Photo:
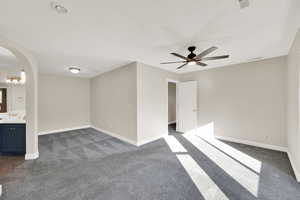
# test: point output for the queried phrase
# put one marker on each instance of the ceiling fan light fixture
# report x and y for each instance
(193, 59)
(192, 63)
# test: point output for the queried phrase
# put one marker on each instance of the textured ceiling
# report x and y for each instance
(9, 65)
(99, 35)
(7, 60)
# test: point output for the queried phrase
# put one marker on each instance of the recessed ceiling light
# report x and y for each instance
(74, 70)
(244, 3)
(58, 8)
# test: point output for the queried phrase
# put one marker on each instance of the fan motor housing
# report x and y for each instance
(191, 49)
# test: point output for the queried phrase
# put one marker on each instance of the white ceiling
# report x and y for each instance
(9, 65)
(7, 59)
(99, 35)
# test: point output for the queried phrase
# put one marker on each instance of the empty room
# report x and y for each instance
(145, 100)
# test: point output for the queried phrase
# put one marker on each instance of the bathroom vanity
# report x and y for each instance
(12, 136)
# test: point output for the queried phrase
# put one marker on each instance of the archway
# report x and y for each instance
(31, 69)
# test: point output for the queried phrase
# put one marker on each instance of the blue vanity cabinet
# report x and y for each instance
(13, 138)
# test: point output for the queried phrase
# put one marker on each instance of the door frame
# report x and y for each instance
(167, 83)
(30, 65)
(179, 118)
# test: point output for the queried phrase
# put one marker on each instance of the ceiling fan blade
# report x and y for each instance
(173, 62)
(206, 52)
(180, 56)
(181, 66)
(215, 57)
(201, 64)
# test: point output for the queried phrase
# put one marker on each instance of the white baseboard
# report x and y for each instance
(172, 122)
(251, 143)
(140, 143)
(63, 130)
(115, 135)
(31, 156)
(136, 143)
(266, 146)
(296, 172)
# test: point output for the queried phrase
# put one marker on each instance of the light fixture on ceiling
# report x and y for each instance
(74, 70)
(192, 63)
(17, 79)
(244, 3)
(58, 8)
(13, 80)
(193, 59)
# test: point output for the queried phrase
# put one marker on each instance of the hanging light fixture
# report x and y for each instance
(13, 80)
(16, 79)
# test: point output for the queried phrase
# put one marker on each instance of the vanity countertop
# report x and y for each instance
(12, 121)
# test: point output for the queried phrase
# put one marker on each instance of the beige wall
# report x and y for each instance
(245, 101)
(293, 134)
(152, 102)
(64, 102)
(114, 102)
(172, 102)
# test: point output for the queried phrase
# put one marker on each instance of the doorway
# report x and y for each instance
(12, 106)
(27, 61)
(172, 108)
(182, 107)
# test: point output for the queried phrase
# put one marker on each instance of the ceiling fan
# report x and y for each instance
(193, 59)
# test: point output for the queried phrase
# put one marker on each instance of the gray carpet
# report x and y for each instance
(87, 165)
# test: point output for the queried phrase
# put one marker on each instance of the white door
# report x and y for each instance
(186, 106)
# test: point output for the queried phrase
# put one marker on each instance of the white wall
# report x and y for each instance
(245, 101)
(114, 102)
(152, 102)
(293, 82)
(16, 98)
(171, 102)
(64, 102)
(131, 102)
